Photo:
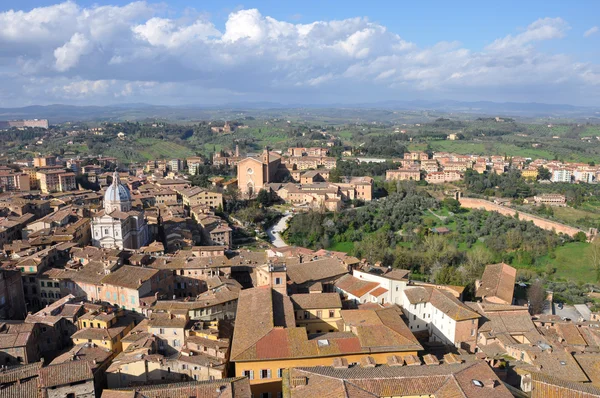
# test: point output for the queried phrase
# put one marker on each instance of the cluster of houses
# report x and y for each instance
(445, 167)
(291, 322)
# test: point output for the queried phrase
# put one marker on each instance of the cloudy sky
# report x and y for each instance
(305, 52)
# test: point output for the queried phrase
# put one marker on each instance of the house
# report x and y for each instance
(302, 275)
(442, 316)
(104, 329)
(317, 312)
(267, 340)
(497, 284)
(68, 379)
(21, 381)
(232, 387)
(403, 174)
(18, 342)
(550, 199)
(474, 379)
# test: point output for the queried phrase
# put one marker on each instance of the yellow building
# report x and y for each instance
(105, 329)
(267, 339)
(530, 174)
(317, 312)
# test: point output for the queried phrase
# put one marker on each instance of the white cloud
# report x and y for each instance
(144, 52)
(68, 55)
(591, 31)
(542, 29)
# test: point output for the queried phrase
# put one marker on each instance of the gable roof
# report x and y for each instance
(442, 381)
(498, 280)
(354, 286)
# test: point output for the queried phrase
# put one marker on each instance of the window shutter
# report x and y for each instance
(269, 373)
(251, 375)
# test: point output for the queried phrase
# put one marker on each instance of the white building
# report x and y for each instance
(561, 175)
(393, 281)
(441, 315)
(118, 226)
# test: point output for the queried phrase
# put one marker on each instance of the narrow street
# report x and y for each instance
(275, 231)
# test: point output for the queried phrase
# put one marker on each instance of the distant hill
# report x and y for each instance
(376, 111)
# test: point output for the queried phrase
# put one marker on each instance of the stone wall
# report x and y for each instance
(471, 203)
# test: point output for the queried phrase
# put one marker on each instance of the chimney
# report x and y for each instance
(490, 383)
(298, 381)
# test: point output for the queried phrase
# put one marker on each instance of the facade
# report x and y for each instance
(254, 173)
(118, 226)
(11, 181)
(550, 199)
(12, 299)
(561, 175)
(440, 177)
(442, 316)
(403, 174)
(56, 181)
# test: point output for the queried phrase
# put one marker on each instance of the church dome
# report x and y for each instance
(117, 195)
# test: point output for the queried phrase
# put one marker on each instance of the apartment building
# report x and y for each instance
(441, 315)
(56, 181)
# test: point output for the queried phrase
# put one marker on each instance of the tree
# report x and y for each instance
(580, 236)
(536, 294)
(264, 197)
(452, 205)
(543, 173)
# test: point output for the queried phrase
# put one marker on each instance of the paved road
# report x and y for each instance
(275, 231)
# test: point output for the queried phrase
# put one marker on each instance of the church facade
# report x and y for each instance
(254, 173)
(118, 226)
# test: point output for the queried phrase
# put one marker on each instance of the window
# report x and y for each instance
(265, 374)
(249, 374)
(42, 283)
(280, 373)
(319, 314)
(105, 231)
(85, 324)
(331, 313)
(108, 295)
(306, 315)
(414, 317)
(132, 298)
(176, 343)
(278, 281)
(56, 284)
(473, 332)
(161, 331)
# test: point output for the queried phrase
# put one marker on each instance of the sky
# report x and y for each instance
(178, 52)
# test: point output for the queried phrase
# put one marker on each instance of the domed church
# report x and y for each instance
(117, 226)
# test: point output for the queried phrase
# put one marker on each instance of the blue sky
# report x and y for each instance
(206, 52)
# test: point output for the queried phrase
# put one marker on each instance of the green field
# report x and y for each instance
(159, 149)
(345, 247)
(572, 263)
(569, 215)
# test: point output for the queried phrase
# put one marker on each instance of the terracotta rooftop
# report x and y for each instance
(442, 381)
(354, 286)
(316, 300)
(498, 281)
(65, 373)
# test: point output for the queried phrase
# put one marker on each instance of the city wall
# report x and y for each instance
(471, 203)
